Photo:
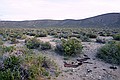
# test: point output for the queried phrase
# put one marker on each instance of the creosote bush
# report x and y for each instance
(41, 35)
(14, 41)
(45, 46)
(110, 52)
(32, 43)
(8, 49)
(30, 34)
(116, 37)
(11, 70)
(85, 38)
(70, 47)
(92, 35)
(26, 67)
(1, 42)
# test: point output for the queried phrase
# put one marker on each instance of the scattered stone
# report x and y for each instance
(85, 55)
(84, 59)
(73, 69)
(83, 78)
(88, 70)
(86, 75)
(71, 73)
(73, 78)
(72, 62)
(88, 62)
(113, 67)
(72, 65)
(93, 58)
(104, 69)
(99, 77)
(94, 67)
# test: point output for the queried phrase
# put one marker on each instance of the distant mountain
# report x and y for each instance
(105, 20)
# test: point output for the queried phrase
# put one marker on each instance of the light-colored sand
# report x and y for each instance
(99, 69)
(48, 39)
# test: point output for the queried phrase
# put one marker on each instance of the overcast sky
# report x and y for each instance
(55, 9)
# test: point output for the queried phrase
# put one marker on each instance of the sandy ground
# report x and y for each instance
(50, 39)
(98, 70)
(20, 44)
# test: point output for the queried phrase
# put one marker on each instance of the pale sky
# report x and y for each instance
(55, 9)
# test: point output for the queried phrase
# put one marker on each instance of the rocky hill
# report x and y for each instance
(105, 20)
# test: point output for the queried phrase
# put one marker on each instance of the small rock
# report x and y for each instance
(93, 58)
(86, 75)
(84, 79)
(94, 67)
(99, 77)
(71, 73)
(88, 70)
(73, 69)
(85, 55)
(104, 69)
(113, 67)
(72, 63)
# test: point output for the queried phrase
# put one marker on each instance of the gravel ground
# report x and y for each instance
(98, 70)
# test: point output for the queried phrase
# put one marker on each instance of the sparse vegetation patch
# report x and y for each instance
(110, 52)
(70, 47)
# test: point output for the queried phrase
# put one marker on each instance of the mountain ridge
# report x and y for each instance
(104, 20)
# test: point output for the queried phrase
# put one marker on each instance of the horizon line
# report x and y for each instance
(60, 19)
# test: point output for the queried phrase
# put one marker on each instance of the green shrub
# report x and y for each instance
(8, 49)
(102, 34)
(116, 37)
(63, 35)
(91, 35)
(45, 46)
(23, 37)
(52, 33)
(27, 67)
(11, 70)
(38, 65)
(10, 75)
(35, 43)
(24, 50)
(75, 35)
(32, 43)
(13, 35)
(11, 62)
(85, 38)
(1, 42)
(110, 53)
(41, 35)
(30, 34)
(70, 47)
(14, 41)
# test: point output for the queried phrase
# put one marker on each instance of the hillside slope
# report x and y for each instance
(105, 20)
